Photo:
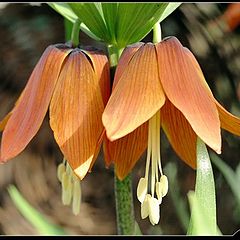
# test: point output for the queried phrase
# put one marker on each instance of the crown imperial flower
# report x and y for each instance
(75, 85)
(160, 85)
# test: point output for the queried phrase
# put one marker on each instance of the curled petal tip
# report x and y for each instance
(83, 169)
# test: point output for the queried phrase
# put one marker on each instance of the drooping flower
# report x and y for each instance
(160, 85)
(74, 84)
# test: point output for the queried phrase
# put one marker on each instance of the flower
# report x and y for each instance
(160, 85)
(75, 85)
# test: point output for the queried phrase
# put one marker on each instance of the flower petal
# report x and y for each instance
(126, 56)
(102, 69)
(185, 86)
(75, 112)
(126, 151)
(29, 112)
(4, 121)
(137, 96)
(179, 133)
(228, 121)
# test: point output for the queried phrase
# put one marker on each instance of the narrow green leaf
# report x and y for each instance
(65, 10)
(205, 194)
(230, 176)
(33, 216)
(199, 217)
(135, 21)
(168, 10)
(89, 14)
(110, 12)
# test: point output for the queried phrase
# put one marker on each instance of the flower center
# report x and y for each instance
(71, 189)
(158, 181)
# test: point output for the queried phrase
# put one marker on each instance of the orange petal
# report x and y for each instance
(136, 97)
(102, 69)
(97, 150)
(75, 112)
(4, 121)
(126, 151)
(179, 133)
(185, 86)
(28, 114)
(229, 122)
(126, 56)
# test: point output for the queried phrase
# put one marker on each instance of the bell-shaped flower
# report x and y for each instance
(75, 85)
(160, 85)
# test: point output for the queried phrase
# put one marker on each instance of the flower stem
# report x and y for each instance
(124, 206)
(157, 33)
(123, 189)
(75, 33)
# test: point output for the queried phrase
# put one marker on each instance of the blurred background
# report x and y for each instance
(212, 32)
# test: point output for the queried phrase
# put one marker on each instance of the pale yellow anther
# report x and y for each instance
(159, 192)
(142, 189)
(145, 207)
(71, 189)
(154, 210)
(164, 183)
(66, 189)
(76, 197)
(60, 170)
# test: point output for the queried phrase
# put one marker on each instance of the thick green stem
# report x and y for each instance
(75, 33)
(123, 189)
(114, 54)
(124, 206)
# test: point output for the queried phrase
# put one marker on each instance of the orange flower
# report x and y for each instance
(160, 85)
(75, 83)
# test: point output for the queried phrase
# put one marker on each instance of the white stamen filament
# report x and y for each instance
(159, 184)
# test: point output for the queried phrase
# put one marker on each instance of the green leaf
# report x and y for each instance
(231, 177)
(168, 10)
(204, 208)
(65, 10)
(89, 14)
(118, 24)
(33, 216)
(135, 21)
(199, 217)
(110, 11)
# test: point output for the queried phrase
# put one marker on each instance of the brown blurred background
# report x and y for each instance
(25, 32)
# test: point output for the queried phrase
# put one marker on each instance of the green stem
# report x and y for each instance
(157, 33)
(75, 33)
(124, 206)
(114, 55)
(123, 189)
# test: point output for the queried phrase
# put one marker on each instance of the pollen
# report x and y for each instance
(71, 187)
(151, 189)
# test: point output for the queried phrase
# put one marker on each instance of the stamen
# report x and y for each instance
(71, 189)
(159, 183)
(76, 197)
